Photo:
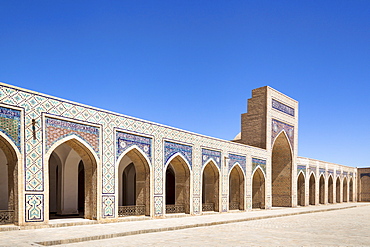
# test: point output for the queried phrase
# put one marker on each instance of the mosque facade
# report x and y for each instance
(60, 159)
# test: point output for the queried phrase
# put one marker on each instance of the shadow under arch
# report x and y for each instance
(330, 189)
(89, 167)
(312, 189)
(351, 199)
(9, 170)
(345, 188)
(177, 182)
(322, 189)
(210, 186)
(258, 188)
(281, 171)
(133, 171)
(337, 187)
(236, 188)
(301, 195)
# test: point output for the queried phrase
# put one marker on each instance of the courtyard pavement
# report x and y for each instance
(346, 224)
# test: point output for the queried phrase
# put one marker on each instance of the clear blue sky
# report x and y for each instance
(193, 64)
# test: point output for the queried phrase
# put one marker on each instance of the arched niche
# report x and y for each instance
(133, 183)
(177, 185)
(258, 189)
(72, 176)
(9, 158)
(281, 172)
(210, 187)
(236, 188)
(301, 195)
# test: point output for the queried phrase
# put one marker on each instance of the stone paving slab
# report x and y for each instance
(81, 233)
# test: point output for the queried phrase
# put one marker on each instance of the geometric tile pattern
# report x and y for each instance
(278, 126)
(339, 173)
(282, 107)
(126, 140)
(330, 171)
(158, 205)
(241, 160)
(322, 171)
(211, 154)
(34, 207)
(10, 124)
(258, 163)
(345, 173)
(108, 206)
(312, 169)
(170, 149)
(301, 168)
(57, 129)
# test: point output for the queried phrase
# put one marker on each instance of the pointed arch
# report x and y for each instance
(330, 189)
(345, 190)
(282, 157)
(177, 180)
(312, 189)
(351, 190)
(338, 192)
(10, 159)
(84, 152)
(210, 186)
(258, 188)
(301, 195)
(236, 187)
(133, 170)
(322, 189)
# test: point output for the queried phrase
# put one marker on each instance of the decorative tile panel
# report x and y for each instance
(258, 163)
(108, 206)
(126, 140)
(242, 160)
(10, 124)
(322, 171)
(57, 129)
(313, 169)
(170, 149)
(331, 171)
(345, 173)
(278, 126)
(365, 175)
(301, 168)
(211, 154)
(34, 207)
(196, 205)
(351, 174)
(339, 173)
(282, 107)
(158, 205)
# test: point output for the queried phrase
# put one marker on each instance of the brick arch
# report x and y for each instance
(301, 195)
(13, 159)
(142, 177)
(338, 189)
(351, 199)
(281, 171)
(236, 188)
(182, 175)
(322, 189)
(330, 189)
(90, 164)
(345, 190)
(210, 186)
(258, 189)
(312, 189)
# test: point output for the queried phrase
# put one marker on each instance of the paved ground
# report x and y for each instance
(304, 226)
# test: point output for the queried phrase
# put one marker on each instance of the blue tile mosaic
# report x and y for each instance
(10, 124)
(365, 175)
(322, 171)
(313, 169)
(301, 168)
(282, 107)
(171, 148)
(125, 140)
(211, 154)
(242, 160)
(34, 207)
(258, 163)
(278, 126)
